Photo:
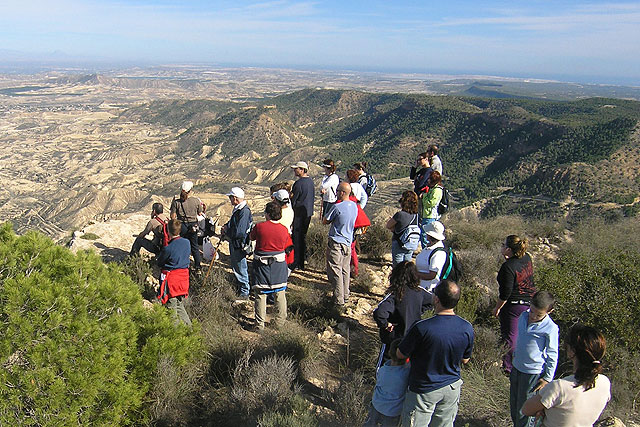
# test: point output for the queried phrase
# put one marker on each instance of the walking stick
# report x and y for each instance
(213, 258)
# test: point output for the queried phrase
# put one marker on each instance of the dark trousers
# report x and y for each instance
(509, 315)
(188, 233)
(299, 237)
(141, 242)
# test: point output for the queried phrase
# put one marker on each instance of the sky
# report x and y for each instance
(597, 42)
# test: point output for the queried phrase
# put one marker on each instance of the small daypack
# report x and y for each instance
(371, 186)
(451, 269)
(443, 206)
(165, 231)
(409, 239)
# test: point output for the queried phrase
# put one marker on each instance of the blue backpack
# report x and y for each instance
(371, 186)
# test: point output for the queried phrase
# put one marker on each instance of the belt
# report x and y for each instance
(519, 302)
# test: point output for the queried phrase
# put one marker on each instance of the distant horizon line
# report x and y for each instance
(110, 65)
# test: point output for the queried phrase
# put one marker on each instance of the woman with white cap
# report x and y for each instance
(281, 193)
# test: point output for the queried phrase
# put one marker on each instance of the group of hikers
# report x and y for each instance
(419, 371)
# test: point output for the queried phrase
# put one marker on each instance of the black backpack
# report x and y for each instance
(443, 206)
(451, 269)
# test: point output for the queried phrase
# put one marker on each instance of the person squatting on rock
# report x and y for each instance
(236, 231)
(155, 225)
(576, 400)
(269, 266)
(516, 287)
(535, 356)
(329, 185)
(430, 201)
(398, 223)
(392, 379)
(431, 260)
(174, 277)
(281, 193)
(302, 200)
(342, 217)
(403, 305)
(437, 347)
(186, 208)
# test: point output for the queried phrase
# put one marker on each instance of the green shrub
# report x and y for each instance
(138, 269)
(467, 307)
(90, 236)
(376, 242)
(77, 345)
(317, 240)
(300, 345)
(262, 384)
(351, 399)
(295, 414)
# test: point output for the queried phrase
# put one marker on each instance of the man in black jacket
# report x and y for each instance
(302, 201)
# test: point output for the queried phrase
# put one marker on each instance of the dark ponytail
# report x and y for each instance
(589, 347)
(517, 245)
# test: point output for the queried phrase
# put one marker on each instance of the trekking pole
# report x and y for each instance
(213, 258)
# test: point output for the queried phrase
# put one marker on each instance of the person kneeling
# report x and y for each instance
(174, 278)
(269, 265)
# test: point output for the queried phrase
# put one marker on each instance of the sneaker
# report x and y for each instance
(242, 298)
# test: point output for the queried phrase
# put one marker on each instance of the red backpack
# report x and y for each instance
(165, 231)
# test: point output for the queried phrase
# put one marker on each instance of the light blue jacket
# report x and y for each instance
(536, 349)
(391, 387)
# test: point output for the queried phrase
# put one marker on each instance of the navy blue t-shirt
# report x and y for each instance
(436, 347)
(175, 255)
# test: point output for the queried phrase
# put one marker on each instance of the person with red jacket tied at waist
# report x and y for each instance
(174, 278)
(270, 271)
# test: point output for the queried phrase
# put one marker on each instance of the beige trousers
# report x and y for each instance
(339, 270)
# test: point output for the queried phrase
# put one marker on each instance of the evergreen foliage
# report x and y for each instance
(77, 348)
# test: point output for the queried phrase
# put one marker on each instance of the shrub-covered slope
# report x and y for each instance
(585, 149)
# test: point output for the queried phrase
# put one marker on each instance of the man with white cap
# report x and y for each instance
(186, 208)
(302, 201)
(236, 231)
(431, 260)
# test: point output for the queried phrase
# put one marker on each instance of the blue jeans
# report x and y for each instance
(398, 254)
(423, 236)
(240, 269)
(520, 386)
(437, 408)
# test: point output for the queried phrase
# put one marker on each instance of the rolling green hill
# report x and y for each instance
(584, 150)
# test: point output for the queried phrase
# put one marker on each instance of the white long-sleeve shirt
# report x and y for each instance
(330, 185)
(360, 194)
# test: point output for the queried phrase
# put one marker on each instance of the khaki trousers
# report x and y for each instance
(261, 308)
(339, 270)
